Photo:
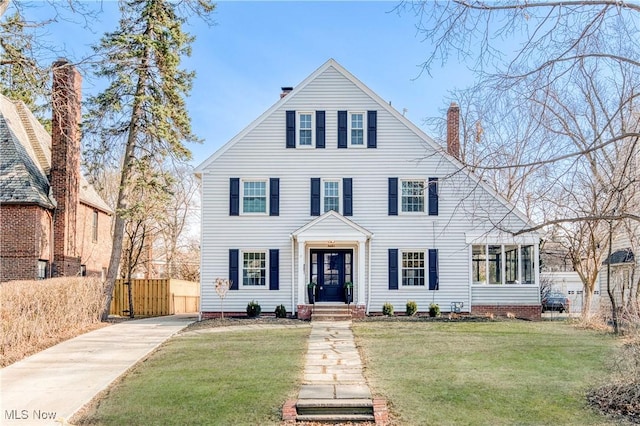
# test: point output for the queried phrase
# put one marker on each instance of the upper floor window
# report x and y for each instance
(413, 196)
(94, 227)
(331, 195)
(254, 196)
(254, 268)
(413, 268)
(305, 129)
(356, 128)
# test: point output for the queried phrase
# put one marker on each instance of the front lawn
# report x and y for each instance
(489, 373)
(226, 378)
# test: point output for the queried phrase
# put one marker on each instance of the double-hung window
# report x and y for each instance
(305, 129)
(254, 268)
(331, 195)
(413, 196)
(356, 128)
(502, 264)
(413, 268)
(254, 196)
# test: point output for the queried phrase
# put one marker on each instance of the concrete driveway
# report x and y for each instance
(59, 381)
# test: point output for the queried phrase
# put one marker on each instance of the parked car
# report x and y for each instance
(555, 301)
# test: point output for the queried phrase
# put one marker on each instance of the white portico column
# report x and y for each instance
(301, 272)
(359, 300)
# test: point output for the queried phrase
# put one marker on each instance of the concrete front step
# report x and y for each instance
(333, 419)
(328, 410)
(331, 312)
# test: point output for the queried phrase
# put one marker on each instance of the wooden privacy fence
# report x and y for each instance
(156, 297)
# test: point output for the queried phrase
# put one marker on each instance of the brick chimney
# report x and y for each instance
(453, 130)
(285, 91)
(65, 166)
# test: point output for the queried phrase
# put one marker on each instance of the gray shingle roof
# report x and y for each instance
(25, 160)
(620, 256)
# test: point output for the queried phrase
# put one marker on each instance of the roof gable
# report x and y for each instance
(333, 224)
(333, 66)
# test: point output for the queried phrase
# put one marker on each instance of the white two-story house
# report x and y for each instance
(331, 185)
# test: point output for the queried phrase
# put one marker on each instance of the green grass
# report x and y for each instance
(432, 373)
(228, 378)
(494, 373)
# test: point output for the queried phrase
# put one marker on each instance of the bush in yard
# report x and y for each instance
(412, 308)
(387, 309)
(434, 310)
(281, 311)
(253, 309)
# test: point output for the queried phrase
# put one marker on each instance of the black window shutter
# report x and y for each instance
(434, 282)
(393, 196)
(372, 126)
(393, 269)
(234, 196)
(234, 261)
(342, 129)
(274, 269)
(315, 196)
(274, 197)
(347, 197)
(291, 129)
(320, 134)
(433, 196)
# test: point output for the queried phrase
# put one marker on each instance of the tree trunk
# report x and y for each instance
(127, 166)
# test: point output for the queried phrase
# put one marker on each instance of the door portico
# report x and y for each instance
(326, 239)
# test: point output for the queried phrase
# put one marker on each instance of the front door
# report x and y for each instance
(330, 269)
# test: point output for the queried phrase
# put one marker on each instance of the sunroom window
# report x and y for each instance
(502, 264)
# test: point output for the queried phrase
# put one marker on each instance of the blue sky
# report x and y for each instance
(257, 47)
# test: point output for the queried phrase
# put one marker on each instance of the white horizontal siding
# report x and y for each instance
(464, 206)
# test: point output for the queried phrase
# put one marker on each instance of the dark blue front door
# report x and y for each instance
(330, 269)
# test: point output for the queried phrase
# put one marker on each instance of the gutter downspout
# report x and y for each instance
(369, 277)
(293, 274)
(200, 177)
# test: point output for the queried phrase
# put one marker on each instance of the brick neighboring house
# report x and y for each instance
(52, 222)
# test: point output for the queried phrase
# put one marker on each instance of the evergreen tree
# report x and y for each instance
(142, 113)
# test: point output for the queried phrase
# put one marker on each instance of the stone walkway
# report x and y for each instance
(333, 367)
(333, 381)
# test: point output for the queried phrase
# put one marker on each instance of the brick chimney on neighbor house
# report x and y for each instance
(65, 166)
(453, 130)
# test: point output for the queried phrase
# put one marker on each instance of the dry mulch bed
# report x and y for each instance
(619, 400)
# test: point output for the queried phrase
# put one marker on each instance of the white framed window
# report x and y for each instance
(500, 264)
(413, 268)
(254, 196)
(331, 195)
(306, 135)
(357, 129)
(413, 195)
(254, 268)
